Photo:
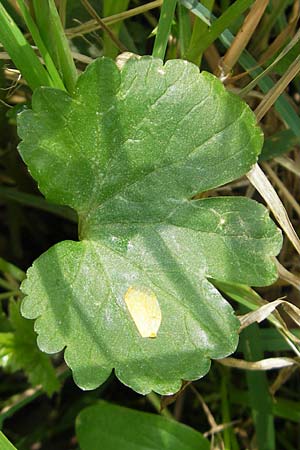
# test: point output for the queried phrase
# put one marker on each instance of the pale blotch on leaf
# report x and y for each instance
(144, 310)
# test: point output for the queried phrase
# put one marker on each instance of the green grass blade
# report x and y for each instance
(264, 32)
(13, 270)
(219, 25)
(5, 444)
(185, 33)
(200, 30)
(164, 28)
(56, 79)
(229, 437)
(37, 202)
(282, 105)
(273, 341)
(259, 396)
(281, 407)
(52, 33)
(263, 73)
(198, 10)
(110, 9)
(21, 52)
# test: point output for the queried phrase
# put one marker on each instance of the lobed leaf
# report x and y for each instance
(129, 151)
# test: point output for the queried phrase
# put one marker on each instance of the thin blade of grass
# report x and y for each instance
(230, 440)
(34, 201)
(283, 107)
(13, 270)
(286, 49)
(277, 89)
(92, 25)
(114, 39)
(258, 390)
(243, 37)
(281, 407)
(200, 29)
(164, 28)
(285, 110)
(5, 444)
(264, 31)
(34, 31)
(52, 33)
(247, 297)
(184, 28)
(62, 10)
(108, 9)
(21, 52)
(198, 9)
(218, 25)
(272, 341)
(284, 192)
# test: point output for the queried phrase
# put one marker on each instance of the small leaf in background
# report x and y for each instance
(129, 152)
(114, 427)
(18, 350)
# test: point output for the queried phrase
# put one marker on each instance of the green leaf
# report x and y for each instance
(129, 152)
(18, 350)
(5, 444)
(117, 427)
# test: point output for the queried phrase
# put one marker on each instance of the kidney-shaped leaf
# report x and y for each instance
(129, 151)
(112, 427)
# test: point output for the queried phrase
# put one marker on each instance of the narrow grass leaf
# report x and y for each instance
(285, 110)
(244, 35)
(164, 28)
(280, 407)
(53, 35)
(56, 80)
(273, 94)
(109, 9)
(200, 30)
(13, 270)
(5, 444)
(184, 28)
(258, 392)
(220, 24)
(92, 25)
(21, 52)
(37, 202)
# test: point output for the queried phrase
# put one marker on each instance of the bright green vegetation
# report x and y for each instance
(146, 222)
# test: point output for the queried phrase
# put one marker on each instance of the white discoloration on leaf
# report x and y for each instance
(145, 311)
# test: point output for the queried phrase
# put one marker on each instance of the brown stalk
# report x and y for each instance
(277, 89)
(243, 37)
(280, 40)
